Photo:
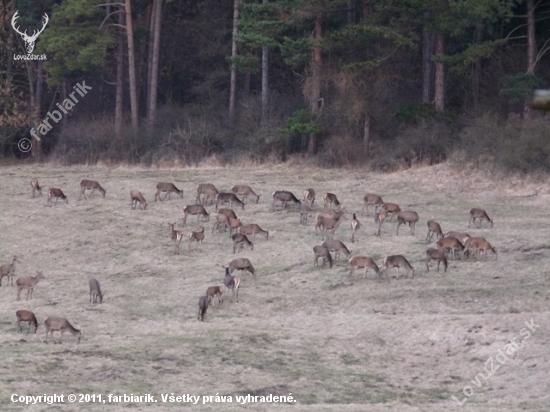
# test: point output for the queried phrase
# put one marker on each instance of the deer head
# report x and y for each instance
(29, 40)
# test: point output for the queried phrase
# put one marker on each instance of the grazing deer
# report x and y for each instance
(167, 188)
(58, 194)
(230, 198)
(362, 262)
(95, 291)
(26, 316)
(337, 247)
(433, 229)
(176, 236)
(221, 222)
(331, 200)
(208, 190)
(245, 191)
(329, 224)
(305, 208)
(396, 261)
(28, 282)
(480, 244)
(480, 214)
(241, 240)
(461, 236)
(90, 185)
(379, 218)
(332, 215)
(409, 217)
(309, 196)
(372, 199)
(390, 209)
(8, 270)
(232, 283)
(435, 254)
(227, 212)
(196, 237)
(214, 291)
(35, 188)
(452, 244)
(284, 197)
(355, 226)
(61, 325)
(203, 306)
(252, 229)
(242, 264)
(322, 252)
(137, 197)
(197, 210)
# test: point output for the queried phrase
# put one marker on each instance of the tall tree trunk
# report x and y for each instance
(477, 67)
(119, 79)
(9, 69)
(439, 75)
(36, 147)
(265, 82)
(131, 67)
(143, 72)
(233, 90)
(247, 82)
(315, 99)
(427, 64)
(152, 21)
(152, 113)
(366, 133)
(531, 51)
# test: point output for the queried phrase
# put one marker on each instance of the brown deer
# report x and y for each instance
(331, 200)
(322, 252)
(137, 197)
(203, 306)
(26, 316)
(396, 261)
(95, 291)
(253, 229)
(90, 185)
(309, 196)
(27, 282)
(355, 226)
(409, 217)
(452, 244)
(362, 262)
(305, 208)
(480, 244)
(390, 209)
(208, 190)
(438, 255)
(221, 222)
(61, 325)
(284, 197)
(461, 236)
(337, 247)
(331, 215)
(241, 240)
(245, 191)
(214, 291)
(372, 199)
(480, 214)
(379, 218)
(176, 236)
(433, 229)
(241, 264)
(232, 283)
(197, 210)
(58, 194)
(35, 188)
(230, 198)
(227, 212)
(168, 189)
(197, 236)
(329, 225)
(8, 270)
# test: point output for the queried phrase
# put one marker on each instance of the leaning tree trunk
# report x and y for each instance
(531, 50)
(152, 110)
(315, 96)
(233, 86)
(119, 80)
(439, 76)
(131, 67)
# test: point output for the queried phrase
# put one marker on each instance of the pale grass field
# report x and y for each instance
(336, 344)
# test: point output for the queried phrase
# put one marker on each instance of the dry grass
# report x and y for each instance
(336, 344)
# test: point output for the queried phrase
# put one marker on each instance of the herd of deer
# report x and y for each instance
(327, 222)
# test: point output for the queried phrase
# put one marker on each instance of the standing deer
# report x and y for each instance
(253, 229)
(330, 215)
(337, 247)
(245, 191)
(90, 185)
(355, 226)
(379, 218)
(167, 188)
(241, 264)
(176, 236)
(331, 200)
(372, 199)
(480, 214)
(35, 187)
(28, 282)
(26, 316)
(409, 217)
(208, 190)
(461, 236)
(305, 208)
(396, 261)
(227, 212)
(241, 240)
(309, 196)
(8, 270)
(197, 236)
(214, 291)
(433, 229)
(197, 210)
(390, 209)
(230, 198)
(452, 244)
(95, 291)
(61, 325)
(232, 283)
(362, 262)
(329, 224)
(438, 255)
(284, 197)
(137, 197)
(203, 306)
(322, 252)
(234, 225)
(58, 194)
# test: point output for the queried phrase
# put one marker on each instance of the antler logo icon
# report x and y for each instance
(29, 40)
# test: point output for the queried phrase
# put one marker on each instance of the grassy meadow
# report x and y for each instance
(335, 343)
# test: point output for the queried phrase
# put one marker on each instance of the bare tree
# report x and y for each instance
(119, 79)
(157, 18)
(439, 75)
(315, 92)
(531, 50)
(131, 66)
(233, 90)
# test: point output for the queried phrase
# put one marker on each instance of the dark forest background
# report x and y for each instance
(388, 83)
